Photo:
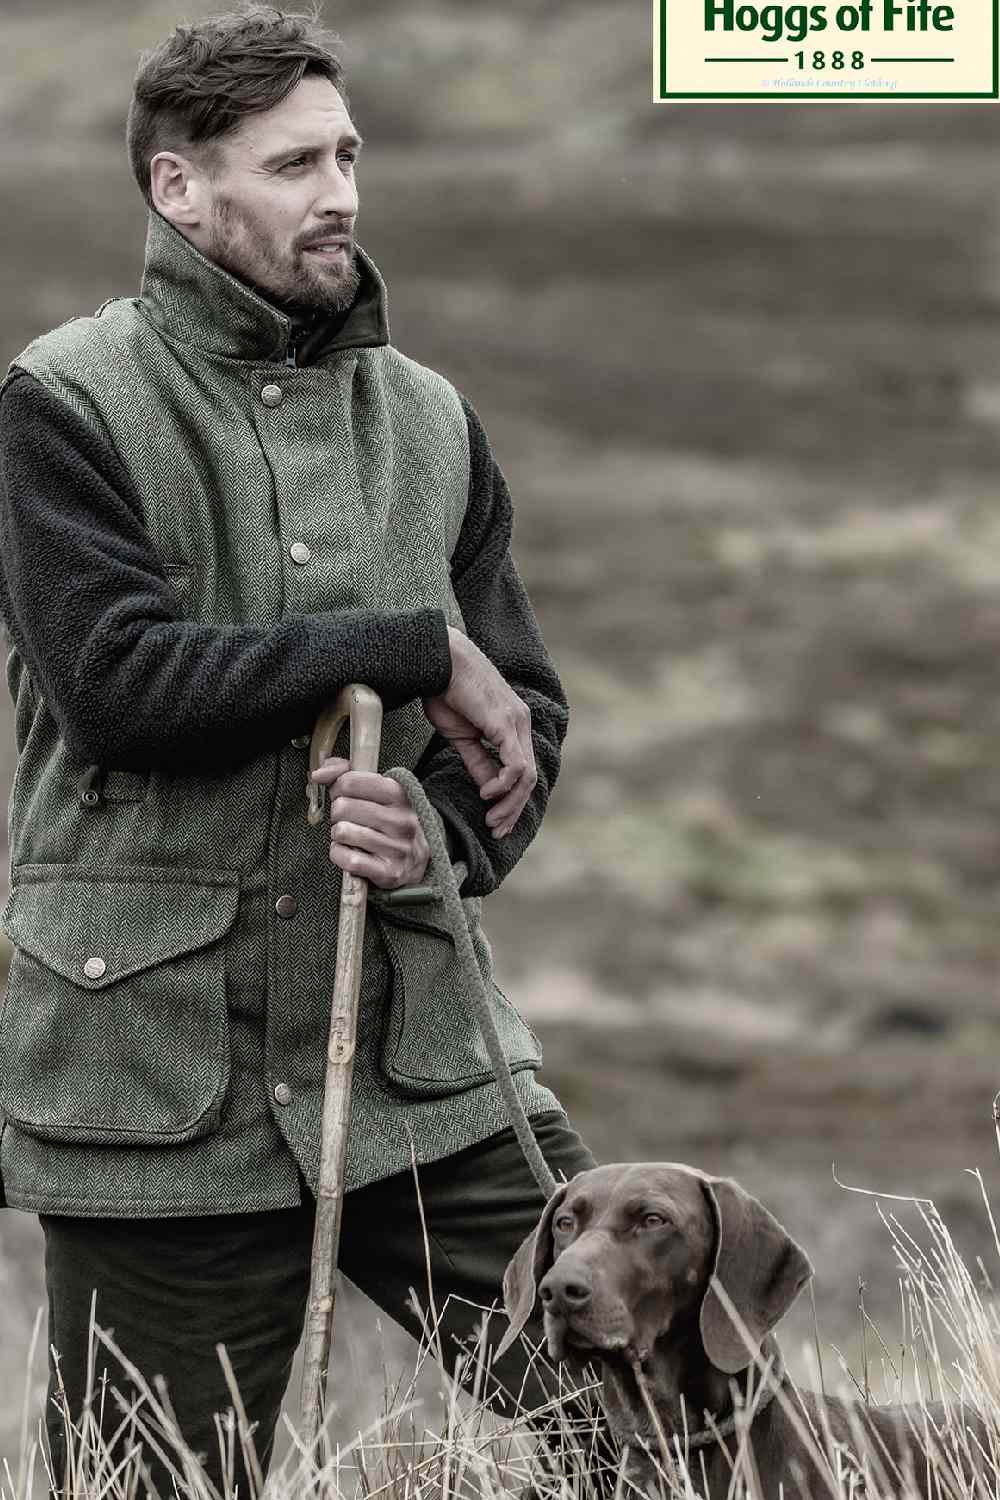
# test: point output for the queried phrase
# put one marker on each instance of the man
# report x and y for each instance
(220, 502)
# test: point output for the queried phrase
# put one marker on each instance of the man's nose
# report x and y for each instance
(567, 1288)
(338, 195)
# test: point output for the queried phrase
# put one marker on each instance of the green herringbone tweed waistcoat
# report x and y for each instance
(158, 1008)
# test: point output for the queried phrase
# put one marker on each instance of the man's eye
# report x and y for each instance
(296, 161)
(348, 157)
(564, 1223)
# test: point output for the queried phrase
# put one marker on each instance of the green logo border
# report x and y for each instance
(661, 96)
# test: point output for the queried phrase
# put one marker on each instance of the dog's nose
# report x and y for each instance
(566, 1290)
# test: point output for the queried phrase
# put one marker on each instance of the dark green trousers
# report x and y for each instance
(172, 1289)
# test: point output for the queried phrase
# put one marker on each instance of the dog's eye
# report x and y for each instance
(564, 1223)
(652, 1221)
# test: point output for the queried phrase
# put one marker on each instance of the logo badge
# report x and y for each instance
(825, 49)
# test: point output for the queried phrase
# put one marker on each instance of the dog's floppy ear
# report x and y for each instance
(761, 1268)
(525, 1271)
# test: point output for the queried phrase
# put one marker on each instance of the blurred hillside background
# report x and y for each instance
(741, 365)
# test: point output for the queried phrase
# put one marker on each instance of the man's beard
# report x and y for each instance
(292, 279)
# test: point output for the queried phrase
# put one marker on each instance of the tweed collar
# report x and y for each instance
(189, 298)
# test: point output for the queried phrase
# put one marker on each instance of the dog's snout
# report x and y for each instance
(566, 1289)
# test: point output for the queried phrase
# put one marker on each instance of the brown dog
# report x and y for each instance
(625, 1261)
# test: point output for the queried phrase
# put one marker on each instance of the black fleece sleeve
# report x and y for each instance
(131, 682)
(499, 618)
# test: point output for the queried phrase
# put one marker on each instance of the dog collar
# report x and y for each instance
(775, 1377)
(724, 1427)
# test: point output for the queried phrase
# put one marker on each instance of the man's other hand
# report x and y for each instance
(479, 705)
(374, 832)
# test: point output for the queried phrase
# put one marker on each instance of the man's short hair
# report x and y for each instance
(197, 86)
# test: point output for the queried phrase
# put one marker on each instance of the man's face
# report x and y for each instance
(282, 202)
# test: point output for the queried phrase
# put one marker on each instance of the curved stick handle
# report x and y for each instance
(364, 709)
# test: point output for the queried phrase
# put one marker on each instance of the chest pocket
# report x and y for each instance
(114, 1027)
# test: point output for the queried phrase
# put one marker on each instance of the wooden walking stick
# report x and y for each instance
(364, 710)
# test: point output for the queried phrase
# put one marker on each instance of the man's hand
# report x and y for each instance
(479, 705)
(374, 832)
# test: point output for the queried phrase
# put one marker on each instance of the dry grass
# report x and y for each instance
(946, 1350)
(468, 1451)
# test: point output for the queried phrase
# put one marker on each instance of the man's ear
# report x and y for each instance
(179, 189)
(525, 1271)
(760, 1267)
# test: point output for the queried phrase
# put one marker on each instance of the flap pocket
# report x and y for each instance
(433, 1043)
(143, 1058)
(128, 918)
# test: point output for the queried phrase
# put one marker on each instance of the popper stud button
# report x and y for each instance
(94, 968)
(282, 1093)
